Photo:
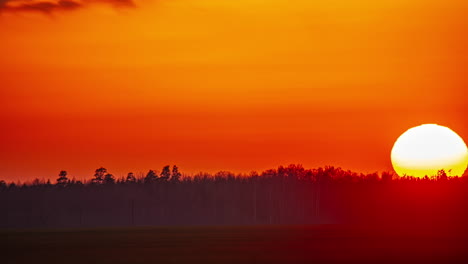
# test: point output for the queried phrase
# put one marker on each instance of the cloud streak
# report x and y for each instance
(51, 6)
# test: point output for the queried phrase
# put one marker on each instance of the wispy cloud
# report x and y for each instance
(50, 6)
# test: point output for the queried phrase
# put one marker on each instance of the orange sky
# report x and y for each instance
(225, 85)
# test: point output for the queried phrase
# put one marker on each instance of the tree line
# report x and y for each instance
(102, 176)
(284, 195)
(328, 173)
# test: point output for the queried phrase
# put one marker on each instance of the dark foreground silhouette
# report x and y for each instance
(285, 196)
(254, 244)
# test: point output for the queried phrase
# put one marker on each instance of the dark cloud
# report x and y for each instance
(50, 6)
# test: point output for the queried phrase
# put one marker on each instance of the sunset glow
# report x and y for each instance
(223, 85)
(233, 131)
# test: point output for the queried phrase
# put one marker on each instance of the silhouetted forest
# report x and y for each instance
(286, 195)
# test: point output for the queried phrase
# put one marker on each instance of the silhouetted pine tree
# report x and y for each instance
(3, 184)
(175, 174)
(130, 178)
(109, 178)
(151, 176)
(99, 175)
(165, 173)
(62, 180)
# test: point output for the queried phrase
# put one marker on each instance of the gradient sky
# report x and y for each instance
(223, 85)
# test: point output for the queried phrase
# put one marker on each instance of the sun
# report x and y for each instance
(428, 148)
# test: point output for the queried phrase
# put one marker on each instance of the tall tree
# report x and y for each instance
(99, 175)
(130, 178)
(175, 174)
(62, 180)
(3, 184)
(165, 173)
(151, 176)
(109, 178)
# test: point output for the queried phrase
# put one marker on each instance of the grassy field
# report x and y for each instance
(259, 244)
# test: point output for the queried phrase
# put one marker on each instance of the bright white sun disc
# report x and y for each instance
(426, 149)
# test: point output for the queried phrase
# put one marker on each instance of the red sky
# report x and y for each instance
(224, 85)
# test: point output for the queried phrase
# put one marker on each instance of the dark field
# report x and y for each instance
(261, 244)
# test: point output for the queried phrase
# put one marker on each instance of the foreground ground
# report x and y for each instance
(261, 244)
